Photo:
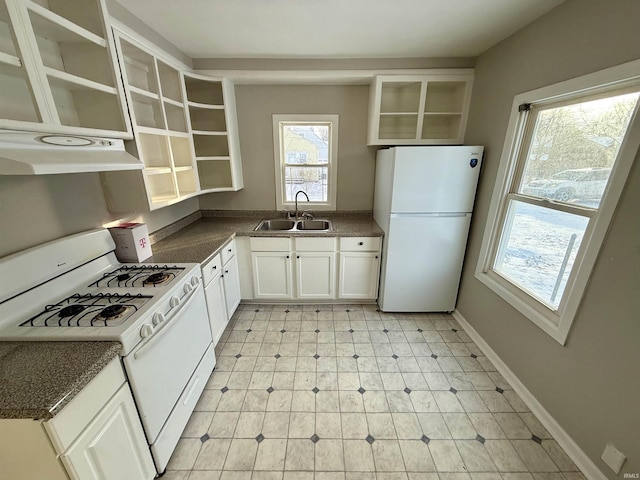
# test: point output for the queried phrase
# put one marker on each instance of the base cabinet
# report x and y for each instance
(214, 294)
(230, 278)
(97, 436)
(315, 268)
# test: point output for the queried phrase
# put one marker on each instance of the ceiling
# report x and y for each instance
(336, 28)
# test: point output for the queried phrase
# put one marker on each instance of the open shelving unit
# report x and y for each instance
(216, 147)
(155, 96)
(419, 109)
(60, 74)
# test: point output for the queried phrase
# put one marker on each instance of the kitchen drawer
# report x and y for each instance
(211, 269)
(270, 244)
(228, 252)
(65, 427)
(315, 244)
(360, 244)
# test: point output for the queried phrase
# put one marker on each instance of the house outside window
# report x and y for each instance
(568, 151)
(305, 154)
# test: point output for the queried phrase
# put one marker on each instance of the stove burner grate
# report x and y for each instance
(88, 310)
(131, 276)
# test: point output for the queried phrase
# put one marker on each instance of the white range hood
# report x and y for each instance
(29, 153)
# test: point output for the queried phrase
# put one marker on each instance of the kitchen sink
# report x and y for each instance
(281, 225)
(278, 224)
(313, 225)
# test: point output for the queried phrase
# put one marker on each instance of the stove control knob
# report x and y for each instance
(146, 330)
(174, 302)
(158, 318)
(195, 281)
(187, 288)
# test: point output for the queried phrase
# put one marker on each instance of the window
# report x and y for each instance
(568, 151)
(305, 151)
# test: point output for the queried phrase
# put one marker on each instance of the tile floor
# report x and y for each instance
(337, 392)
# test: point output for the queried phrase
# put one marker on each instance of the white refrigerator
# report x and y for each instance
(423, 201)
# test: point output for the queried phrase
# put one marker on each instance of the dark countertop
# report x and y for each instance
(37, 379)
(204, 237)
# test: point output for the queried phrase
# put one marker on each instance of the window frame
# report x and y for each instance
(332, 164)
(557, 323)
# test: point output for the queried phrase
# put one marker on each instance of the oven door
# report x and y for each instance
(160, 367)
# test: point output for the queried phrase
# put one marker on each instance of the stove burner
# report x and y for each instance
(156, 278)
(112, 311)
(122, 277)
(71, 310)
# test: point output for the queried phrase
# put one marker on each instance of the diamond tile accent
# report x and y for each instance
(499, 390)
(259, 438)
(316, 356)
(536, 439)
(385, 330)
(249, 330)
(315, 390)
(270, 389)
(224, 389)
(433, 355)
(277, 355)
(287, 311)
(361, 390)
(370, 439)
(317, 311)
(394, 356)
(407, 390)
(204, 437)
(317, 331)
(425, 439)
(314, 438)
(453, 390)
(480, 438)
(282, 331)
(420, 330)
(238, 356)
(347, 310)
(351, 330)
(473, 355)
(356, 356)
(454, 330)
(257, 310)
(378, 310)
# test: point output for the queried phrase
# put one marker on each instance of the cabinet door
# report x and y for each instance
(315, 275)
(216, 307)
(113, 445)
(231, 282)
(271, 275)
(359, 274)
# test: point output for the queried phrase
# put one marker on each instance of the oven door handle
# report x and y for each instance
(167, 325)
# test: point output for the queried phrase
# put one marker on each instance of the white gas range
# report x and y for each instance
(75, 289)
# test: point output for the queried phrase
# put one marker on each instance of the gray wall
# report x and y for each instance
(36, 209)
(591, 386)
(255, 106)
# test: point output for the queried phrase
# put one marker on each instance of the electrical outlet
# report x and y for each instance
(613, 457)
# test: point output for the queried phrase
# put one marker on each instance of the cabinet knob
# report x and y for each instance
(287, 256)
(297, 256)
(376, 256)
(360, 243)
(229, 250)
(226, 271)
(215, 267)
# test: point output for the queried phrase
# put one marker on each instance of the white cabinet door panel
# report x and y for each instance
(315, 275)
(359, 274)
(272, 275)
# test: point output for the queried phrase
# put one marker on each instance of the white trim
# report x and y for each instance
(557, 324)
(571, 448)
(332, 166)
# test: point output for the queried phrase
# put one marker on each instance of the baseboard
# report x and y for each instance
(575, 453)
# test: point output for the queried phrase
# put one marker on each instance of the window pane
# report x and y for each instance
(574, 147)
(538, 249)
(306, 144)
(311, 180)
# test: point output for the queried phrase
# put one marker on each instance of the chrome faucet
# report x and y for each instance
(306, 196)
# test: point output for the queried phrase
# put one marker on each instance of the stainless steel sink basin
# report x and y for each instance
(315, 225)
(282, 225)
(278, 224)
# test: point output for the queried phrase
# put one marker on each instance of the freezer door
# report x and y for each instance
(435, 179)
(422, 263)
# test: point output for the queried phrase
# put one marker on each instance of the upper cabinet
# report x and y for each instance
(184, 128)
(57, 69)
(419, 109)
(213, 126)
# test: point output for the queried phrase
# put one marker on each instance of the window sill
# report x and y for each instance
(551, 323)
